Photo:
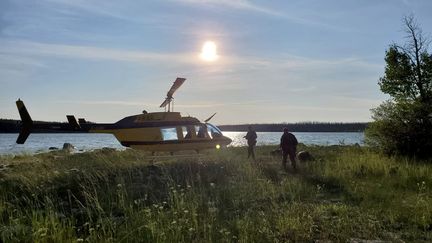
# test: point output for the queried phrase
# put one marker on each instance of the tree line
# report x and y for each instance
(300, 127)
(13, 126)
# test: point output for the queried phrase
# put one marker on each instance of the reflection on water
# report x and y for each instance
(40, 142)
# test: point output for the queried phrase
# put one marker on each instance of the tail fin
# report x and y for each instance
(73, 122)
(27, 122)
(82, 121)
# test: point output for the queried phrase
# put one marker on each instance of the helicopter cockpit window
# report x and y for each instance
(169, 133)
(201, 131)
(214, 131)
(187, 132)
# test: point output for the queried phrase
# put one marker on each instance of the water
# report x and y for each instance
(309, 138)
(40, 142)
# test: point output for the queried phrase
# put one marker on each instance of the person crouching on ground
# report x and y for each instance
(288, 144)
(251, 138)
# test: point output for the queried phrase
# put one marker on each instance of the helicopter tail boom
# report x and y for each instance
(84, 126)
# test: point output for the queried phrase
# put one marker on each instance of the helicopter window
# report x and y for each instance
(169, 133)
(187, 132)
(202, 131)
(214, 131)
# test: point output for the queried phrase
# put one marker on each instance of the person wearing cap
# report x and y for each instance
(288, 144)
(251, 138)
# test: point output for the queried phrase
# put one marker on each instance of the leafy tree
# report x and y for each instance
(403, 125)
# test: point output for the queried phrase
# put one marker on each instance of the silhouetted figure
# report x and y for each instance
(288, 144)
(251, 138)
(201, 132)
(189, 133)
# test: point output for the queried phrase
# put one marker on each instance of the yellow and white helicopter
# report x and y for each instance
(156, 131)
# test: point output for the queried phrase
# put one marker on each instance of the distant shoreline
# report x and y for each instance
(299, 127)
(13, 126)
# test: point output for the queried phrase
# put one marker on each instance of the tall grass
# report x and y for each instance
(346, 193)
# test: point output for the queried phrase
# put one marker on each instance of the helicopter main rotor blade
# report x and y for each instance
(166, 102)
(177, 83)
(208, 119)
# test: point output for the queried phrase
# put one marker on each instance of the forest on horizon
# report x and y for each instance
(13, 126)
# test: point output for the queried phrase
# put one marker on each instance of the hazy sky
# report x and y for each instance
(279, 61)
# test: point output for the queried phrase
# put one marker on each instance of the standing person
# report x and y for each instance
(251, 138)
(288, 144)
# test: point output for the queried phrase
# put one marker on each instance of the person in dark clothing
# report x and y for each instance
(189, 133)
(201, 132)
(251, 138)
(288, 144)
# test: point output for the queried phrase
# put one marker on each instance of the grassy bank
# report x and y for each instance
(347, 193)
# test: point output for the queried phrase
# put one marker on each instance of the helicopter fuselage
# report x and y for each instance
(156, 131)
(162, 131)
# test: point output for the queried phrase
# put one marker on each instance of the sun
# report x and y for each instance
(209, 51)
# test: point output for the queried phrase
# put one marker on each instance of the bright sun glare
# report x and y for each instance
(209, 51)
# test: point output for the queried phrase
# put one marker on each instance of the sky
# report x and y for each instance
(278, 61)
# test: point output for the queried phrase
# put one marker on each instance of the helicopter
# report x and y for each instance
(165, 131)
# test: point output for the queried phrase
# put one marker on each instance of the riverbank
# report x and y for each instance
(348, 193)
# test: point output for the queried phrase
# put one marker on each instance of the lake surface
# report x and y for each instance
(40, 142)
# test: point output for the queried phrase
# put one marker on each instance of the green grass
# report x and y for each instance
(346, 193)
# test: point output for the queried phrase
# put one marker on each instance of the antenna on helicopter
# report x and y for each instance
(169, 100)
